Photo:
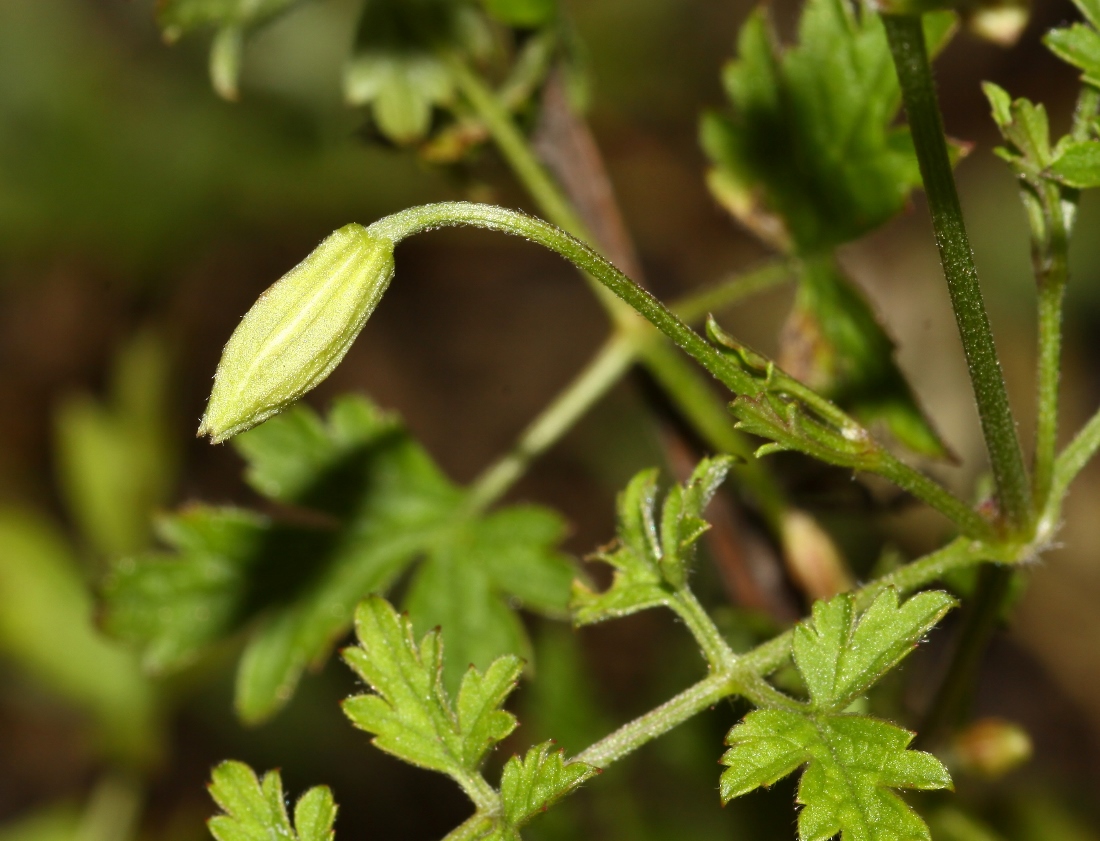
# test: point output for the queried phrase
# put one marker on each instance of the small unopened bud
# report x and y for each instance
(298, 330)
(812, 559)
(991, 747)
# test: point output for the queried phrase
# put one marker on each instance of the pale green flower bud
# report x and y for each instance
(298, 330)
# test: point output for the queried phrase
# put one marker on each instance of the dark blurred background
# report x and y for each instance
(133, 200)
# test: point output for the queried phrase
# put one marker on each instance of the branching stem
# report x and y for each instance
(744, 675)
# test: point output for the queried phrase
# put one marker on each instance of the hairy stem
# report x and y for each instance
(659, 721)
(444, 214)
(714, 647)
(1071, 462)
(970, 522)
(513, 145)
(906, 36)
(1052, 272)
(746, 672)
(709, 416)
(722, 367)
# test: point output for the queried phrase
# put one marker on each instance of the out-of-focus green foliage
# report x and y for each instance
(379, 503)
(46, 627)
(116, 460)
(810, 158)
(1079, 44)
(132, 167)
(835, 343)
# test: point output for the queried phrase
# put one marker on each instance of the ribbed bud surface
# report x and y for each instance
(298, 331)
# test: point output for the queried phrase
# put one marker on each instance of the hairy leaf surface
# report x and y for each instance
(256, 811)
(852, 761)
(411, 715)
(651, 561)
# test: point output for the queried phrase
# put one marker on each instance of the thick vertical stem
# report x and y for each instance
(907, 43)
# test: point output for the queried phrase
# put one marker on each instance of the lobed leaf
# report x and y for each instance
(651, 562)
(810, 158)
(1078, 164)
(530, 785)
(1078, 45)
(370, 502)
(256, 811)
(851, 762)
(841, 655)
(410, 713)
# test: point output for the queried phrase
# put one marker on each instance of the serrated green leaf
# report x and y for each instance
(411, 715)
(1078, 45)
(651, 564)
(810, 158)
(532, 784)
(834, 343)
(377, 503)
(840, 656)
(852, 763)
(1078, 164)
(256, 811)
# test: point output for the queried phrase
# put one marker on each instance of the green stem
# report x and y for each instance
(959, 554)
(1071, 462)
(702, 406)
(718, 654)
(970, 522)
(1053, 272)
(1088, 104)
(708, 414)
(112, 810)
(659, 721)
(745, 673)
(604, 370)
(513, 145)
(906, 36)
(1060, 208)
(695, 307)
(683, 384)
(608, 366)
(448, 214)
